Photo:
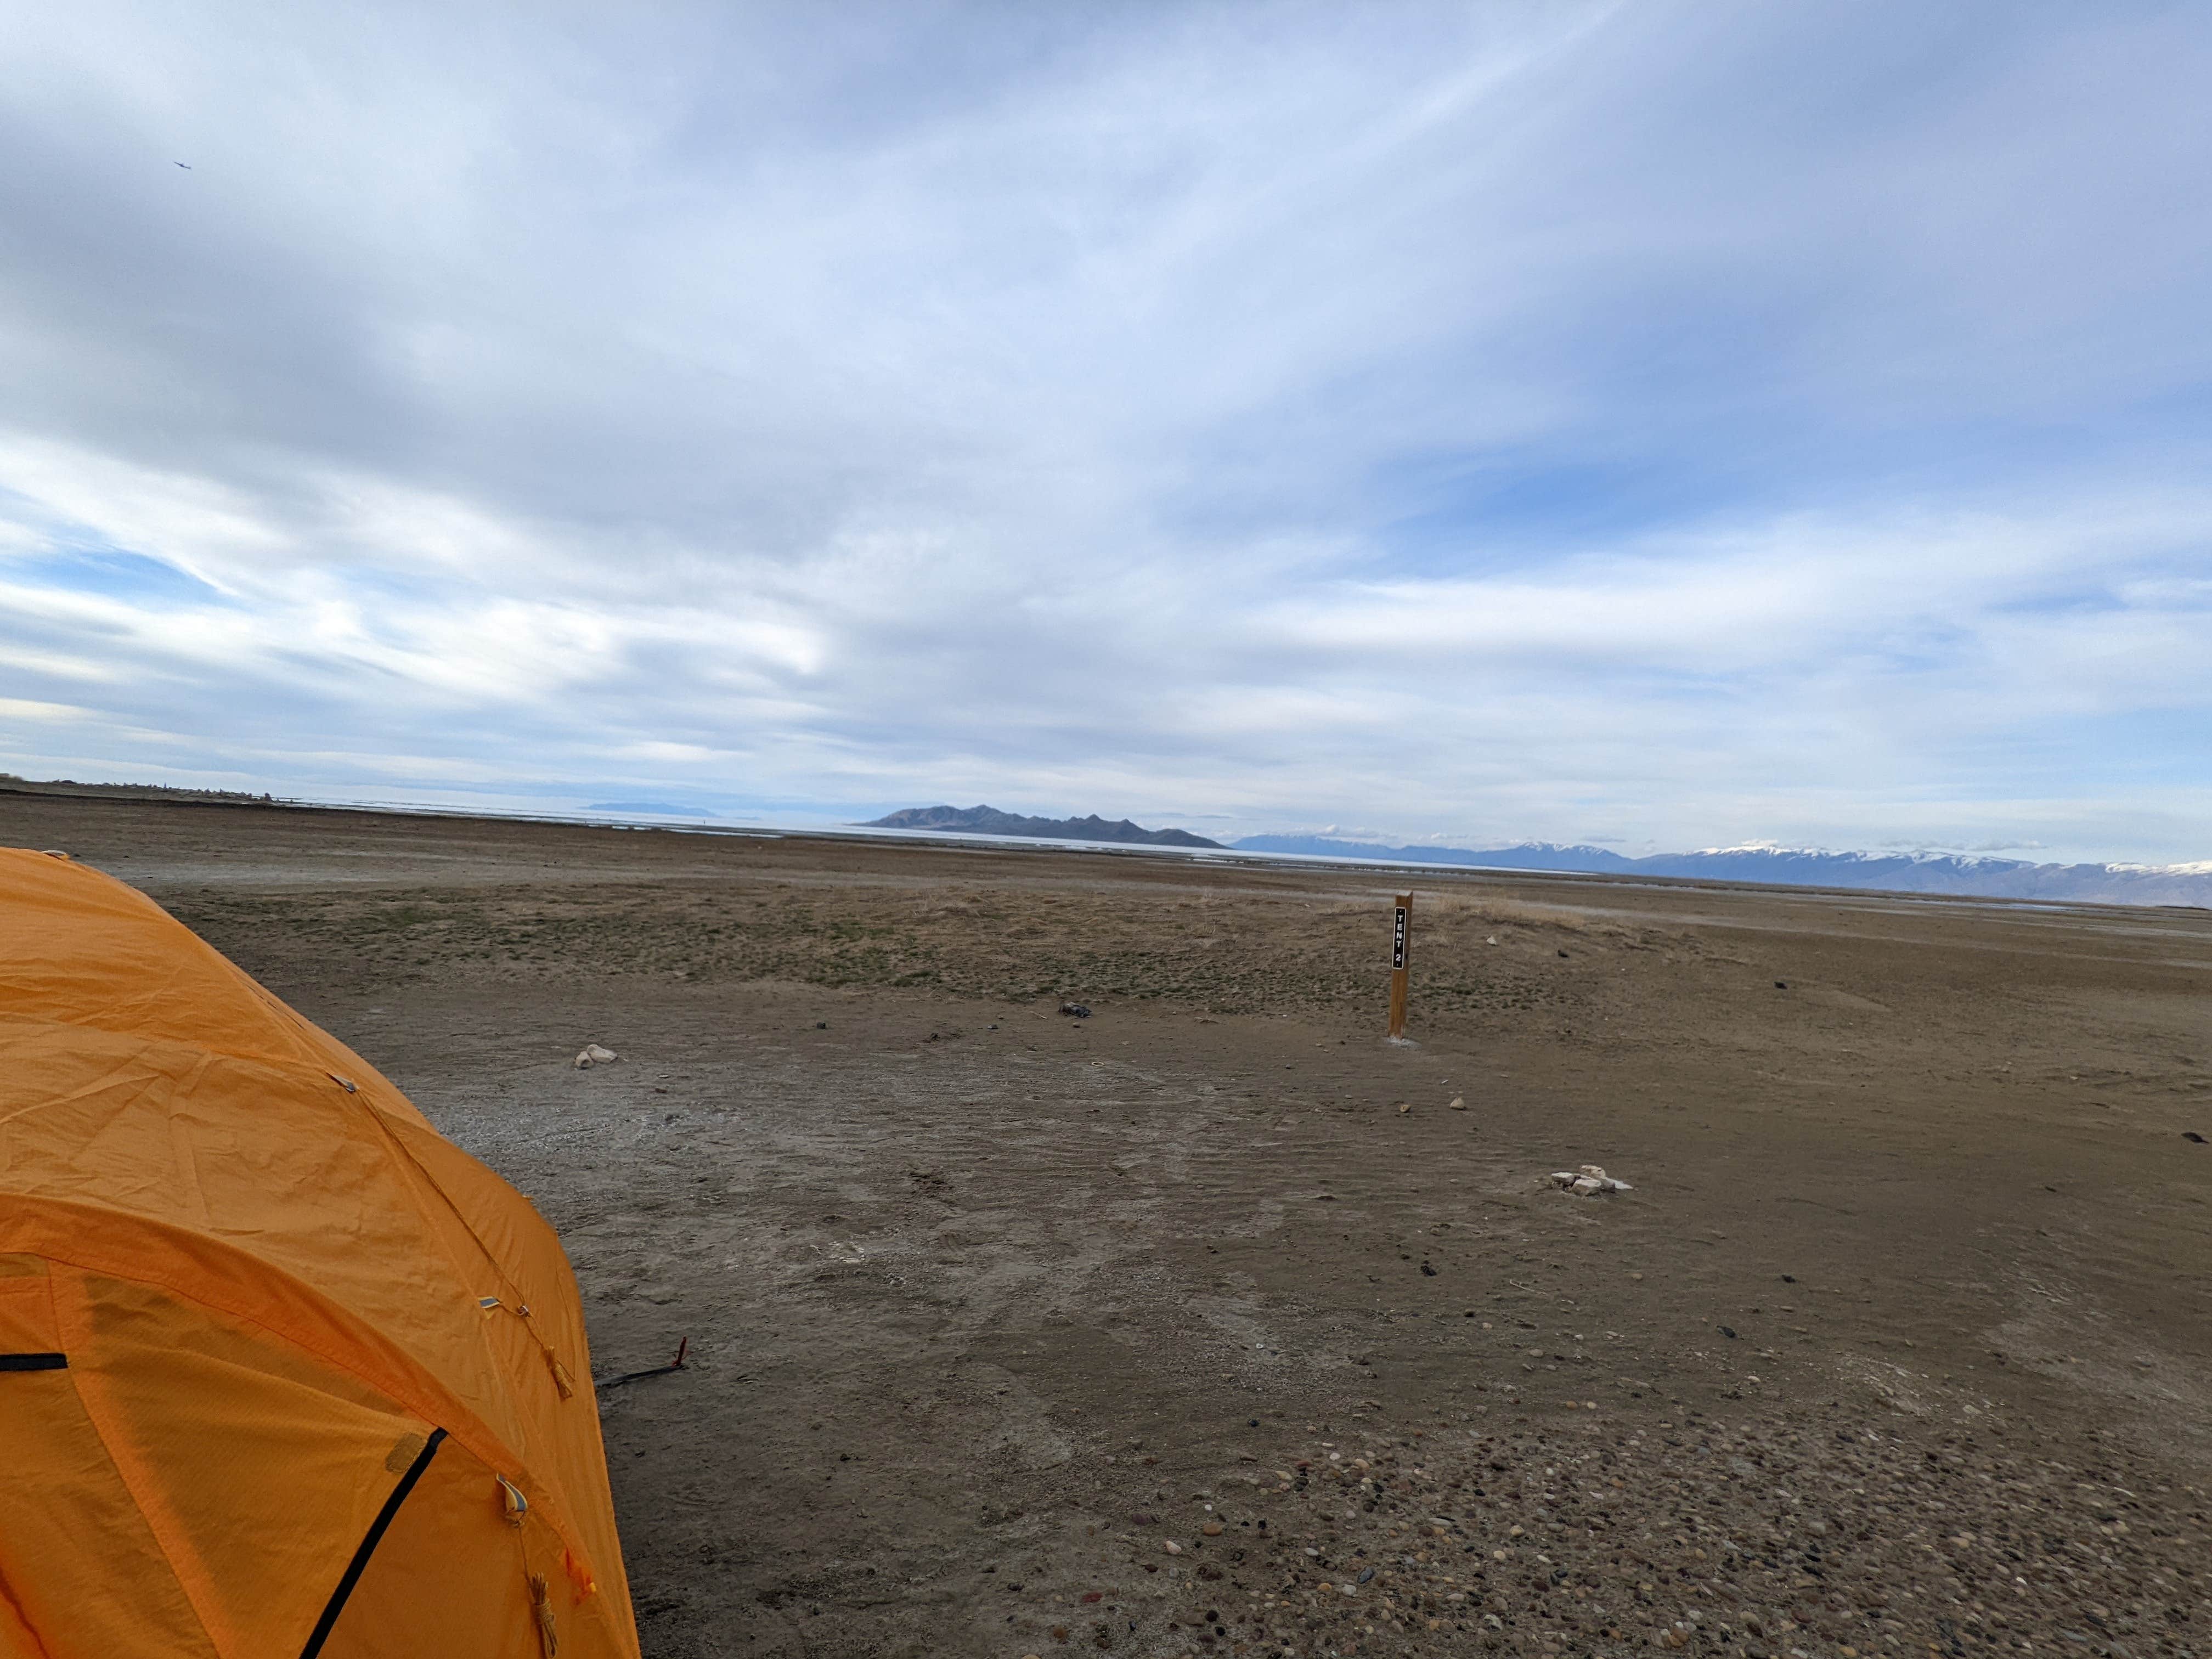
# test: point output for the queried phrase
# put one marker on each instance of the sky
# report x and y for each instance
(1649, 425)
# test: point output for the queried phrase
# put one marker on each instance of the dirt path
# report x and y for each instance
(1899, 1343)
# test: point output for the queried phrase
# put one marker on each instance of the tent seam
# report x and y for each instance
(23, 1620)
(184, 1564)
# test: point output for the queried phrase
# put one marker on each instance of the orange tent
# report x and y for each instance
(282, 1372)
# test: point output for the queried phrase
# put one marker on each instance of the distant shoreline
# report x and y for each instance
(1435, 873)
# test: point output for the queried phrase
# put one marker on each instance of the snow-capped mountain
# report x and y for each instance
(1524, 855)
(1965, 874)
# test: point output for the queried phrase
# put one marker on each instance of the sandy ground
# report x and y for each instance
(1210, 1324)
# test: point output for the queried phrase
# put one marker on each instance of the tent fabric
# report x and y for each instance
(283, 1372)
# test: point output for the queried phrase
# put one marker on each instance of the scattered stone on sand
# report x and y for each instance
(592, 1054)
(1076, 1010)
(1404, 1107)
(1632, 1543)
(1459, 1102)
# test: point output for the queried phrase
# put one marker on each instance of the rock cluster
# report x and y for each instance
(1589, 1180)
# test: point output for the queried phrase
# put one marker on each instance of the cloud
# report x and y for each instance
(20, 709)
(1680, 424)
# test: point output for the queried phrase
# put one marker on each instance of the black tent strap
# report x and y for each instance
(375, 1536)
(33, 1362)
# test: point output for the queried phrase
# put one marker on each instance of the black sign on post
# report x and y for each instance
(1401, 926)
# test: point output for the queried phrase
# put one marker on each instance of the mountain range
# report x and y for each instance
(1964, 874)
(989, 821)
(1896, 872)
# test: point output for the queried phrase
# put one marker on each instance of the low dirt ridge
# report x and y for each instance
(967, 939)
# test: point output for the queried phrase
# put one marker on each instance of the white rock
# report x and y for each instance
(1588, 1180)
(600, 1056)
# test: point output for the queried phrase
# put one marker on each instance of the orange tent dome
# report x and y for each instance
(283, 1372)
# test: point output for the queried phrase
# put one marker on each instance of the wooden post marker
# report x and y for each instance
(1401, 928)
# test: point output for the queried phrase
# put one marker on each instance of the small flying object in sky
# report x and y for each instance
(186, 166)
